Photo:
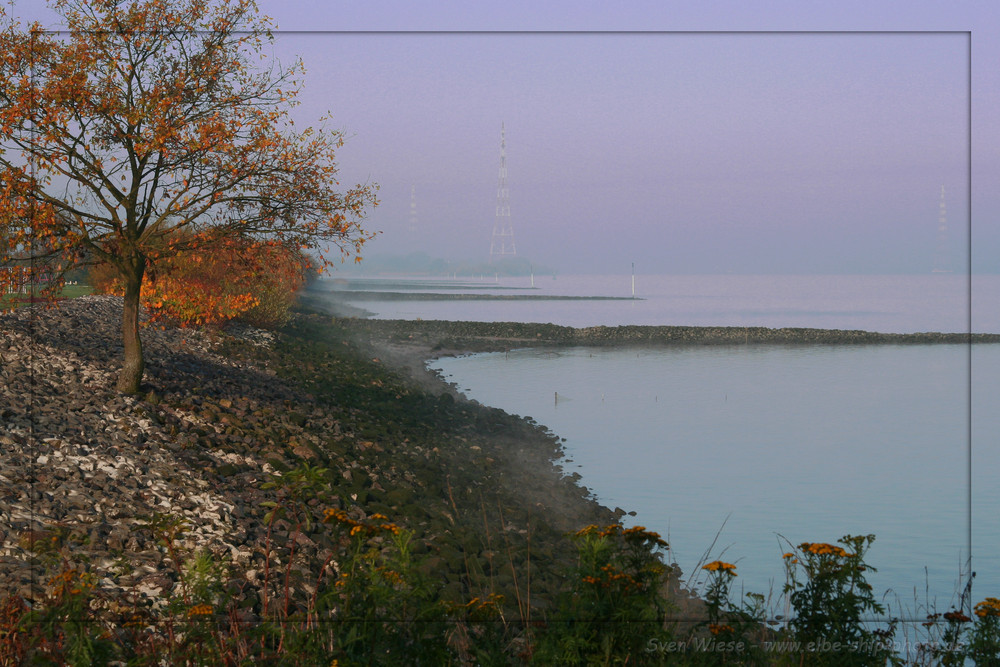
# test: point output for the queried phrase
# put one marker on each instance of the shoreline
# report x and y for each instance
(227, 419)
(476, 336)
(223, 415)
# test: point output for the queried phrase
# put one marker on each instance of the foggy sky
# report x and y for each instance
(684, 152)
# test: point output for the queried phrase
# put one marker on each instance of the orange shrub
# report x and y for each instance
(216, 282)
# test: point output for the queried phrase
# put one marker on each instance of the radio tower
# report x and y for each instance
(942, 258)
(503, 234)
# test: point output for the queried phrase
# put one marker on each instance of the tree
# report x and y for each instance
(252, 282)
(150, 129)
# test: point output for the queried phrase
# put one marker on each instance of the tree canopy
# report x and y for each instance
(148, 129)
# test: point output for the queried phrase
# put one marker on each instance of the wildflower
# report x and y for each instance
(718, 565)
(332, 514)
(824, 549)
(613, 529)
(134, 620)
(988, 607)
(640, 533)
(788, 555)
(391, 575)
(956, 617)
(716, 628)
(64, 577)
(200, 610)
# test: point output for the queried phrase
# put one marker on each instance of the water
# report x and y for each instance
(756, 445)
(890, 304)
(806, 443)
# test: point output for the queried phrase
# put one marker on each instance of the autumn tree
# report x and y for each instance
(254, 283)
(150, 129)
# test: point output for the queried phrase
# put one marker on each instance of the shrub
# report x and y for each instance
(615, 609)
(832, 603)
(211, 283)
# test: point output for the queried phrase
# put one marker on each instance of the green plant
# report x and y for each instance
(65, 628)
(833, 603)
(734, 631)
(379, 607)
(615, 609)
(984, 640)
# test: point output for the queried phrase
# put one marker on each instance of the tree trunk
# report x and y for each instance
(133, 364)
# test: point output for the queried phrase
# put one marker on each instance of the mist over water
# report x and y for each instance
(759, 446)
(889, 304)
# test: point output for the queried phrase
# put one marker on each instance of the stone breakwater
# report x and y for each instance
(498, 336)
(84, 470)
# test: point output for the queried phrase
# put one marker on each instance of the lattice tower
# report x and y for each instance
(942, 257)
(412, 226)
(502, 244)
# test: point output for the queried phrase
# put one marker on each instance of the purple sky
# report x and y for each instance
(682, 152)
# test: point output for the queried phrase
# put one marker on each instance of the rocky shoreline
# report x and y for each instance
(127, 488)
(84, 470)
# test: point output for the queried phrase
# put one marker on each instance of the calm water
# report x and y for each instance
(759, 444)
(891, 304)
(806, 443)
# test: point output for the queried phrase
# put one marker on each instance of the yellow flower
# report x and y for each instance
(716, 628)
(718, 565)
(988, 607)
(824, 549)
(200, 610)
(788, 555)
(334, 515)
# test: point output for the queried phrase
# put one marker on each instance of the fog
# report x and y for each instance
(762, 150)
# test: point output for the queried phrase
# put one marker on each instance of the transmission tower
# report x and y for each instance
(942, 257)
(412, 227)
(503, 234)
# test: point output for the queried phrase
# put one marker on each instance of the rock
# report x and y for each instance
(93, 469)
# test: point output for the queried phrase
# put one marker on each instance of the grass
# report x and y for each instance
(67, 292)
